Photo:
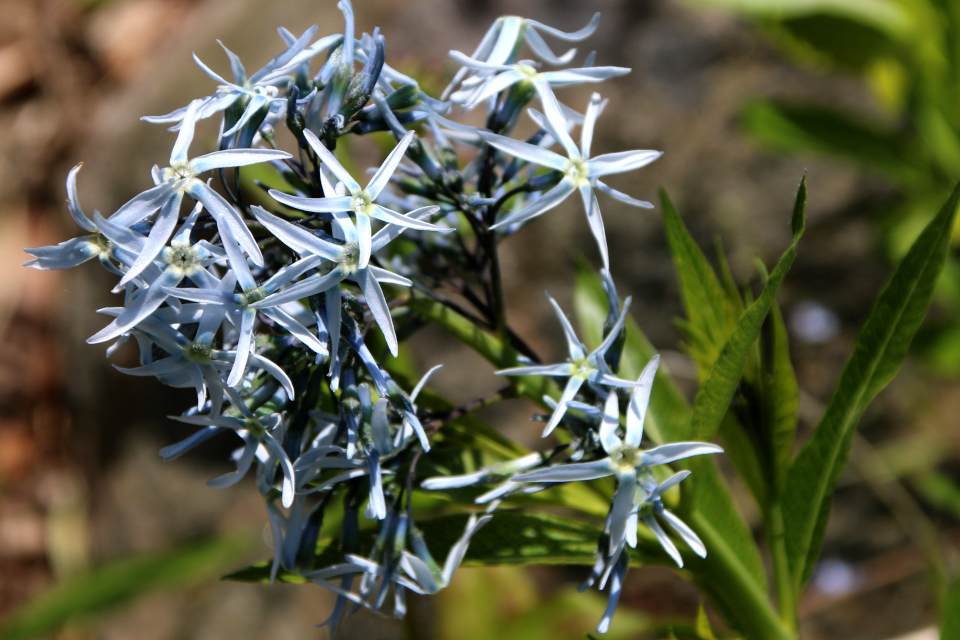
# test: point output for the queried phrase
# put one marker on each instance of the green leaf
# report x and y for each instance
(888, 16)
(713, 399)
(120, 581)
(710, 314)
(950, 627)
(880, 349)
(837, 40)
(795, 127)
(780, 397)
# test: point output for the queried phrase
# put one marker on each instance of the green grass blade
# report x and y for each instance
(121, 581)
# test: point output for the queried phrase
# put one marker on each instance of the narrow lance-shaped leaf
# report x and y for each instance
(880, 350)
(705, 303)
(712, 401)
(115, 583)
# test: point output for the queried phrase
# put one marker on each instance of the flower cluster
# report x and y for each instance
(282, 306)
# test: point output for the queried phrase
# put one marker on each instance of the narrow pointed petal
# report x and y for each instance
(611, 336)
(554, 118)
(477, 65)
(639, 400)
(544, 203)
(388, 277)
(157, 368)
(178, 449)
(146, 303)
(303, 289)
(574, 346)
(333, 308)
(73, 203)
(142, 205)
(540, 47)
(364, 235)
(275, 371)
(620, 162)
(297, 238)
(608, 425)
(159, 236)
(185, 137)
(622, 504)
(663, 539)
(382, 176)
(526, 151)
(286, 56)
(213, 74)
(622, 197)
(243, 465)
(392, 231)
(506, 43)
(668, 484)
(564, 370)
(426, 377)
(392, 217)
(575, 36)
(330, 162)
(589, 121)
(490, 88)
(686, 533)
(373, 295)
(244, 342)
(229, 223)
(573, 385)
(235, 158)
(459, 548)
(315, 205)
(296, 329)
(667, 453)
(569, 472)
(592, 207)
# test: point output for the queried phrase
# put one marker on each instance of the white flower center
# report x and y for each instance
(350, 258)
(182, 256)
(577, 171)
(362, 203)
(199, 352)
(179, 171)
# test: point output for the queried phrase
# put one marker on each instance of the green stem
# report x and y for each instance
(731, 587)
(776, 535)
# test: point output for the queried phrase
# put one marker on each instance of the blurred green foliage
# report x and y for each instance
(907, 52)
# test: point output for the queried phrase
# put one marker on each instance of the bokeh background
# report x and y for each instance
(82, 486)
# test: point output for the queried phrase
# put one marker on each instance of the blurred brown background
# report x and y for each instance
(80, 479)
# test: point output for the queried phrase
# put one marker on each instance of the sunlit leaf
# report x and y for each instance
(880, 349)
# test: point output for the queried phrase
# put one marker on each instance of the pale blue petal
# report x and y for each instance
(622, 197)
(609, 424)
(235, 158)
(392, 217)
(574, 347)
(668, 484)
(65, 255)
(244, 342)
(544, 203)
(243, 465)
(573, 385)
(459, 548)
(296, 329)
(392, 231)
(526, 151)
(297, 238)
(159, 236)
(388, 277)
(316, 205)
(510, 32)
(570, 472)
(539, 47)
(229, 223)
(589, 122)
(663, 539)
(564, 370)
(667, 453)
(592, 208)
(619, 162)
(554, 118)
(686, 533)
(142, 205)
(373, 295)
(303, 289)
(185, 137)
(178, 449)
(364, 234)
(612, 335)
(382, 176)
(639, 400)
(622, 504)
(73, 203)
(330, 162)
(575, 36)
